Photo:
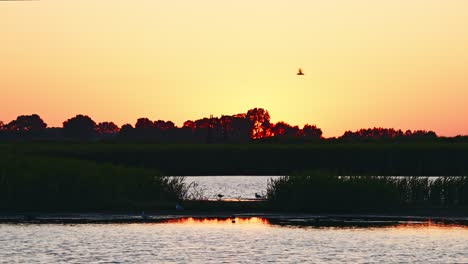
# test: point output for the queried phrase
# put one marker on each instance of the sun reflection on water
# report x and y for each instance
(259, 221)
(205, 239)
(408, 226)
(219, 221)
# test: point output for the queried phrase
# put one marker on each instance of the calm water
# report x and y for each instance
(230, 186)
(217, 241)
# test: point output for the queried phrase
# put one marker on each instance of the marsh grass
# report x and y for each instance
(49, 183)
(324, 191)
(418, 159)
(193, 191)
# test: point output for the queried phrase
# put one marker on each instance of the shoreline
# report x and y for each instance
(287, 218)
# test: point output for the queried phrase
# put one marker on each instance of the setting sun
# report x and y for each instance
(395, 64)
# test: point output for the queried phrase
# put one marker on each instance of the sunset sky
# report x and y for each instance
(398, 63)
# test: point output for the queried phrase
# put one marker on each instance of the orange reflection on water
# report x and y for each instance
(222, 221)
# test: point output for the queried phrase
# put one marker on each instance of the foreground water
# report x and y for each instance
(219, 240)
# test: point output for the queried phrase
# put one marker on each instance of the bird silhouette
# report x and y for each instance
(258, 196)
(300, 72)
(220, 196)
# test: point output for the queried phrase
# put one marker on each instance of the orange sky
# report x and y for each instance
(398, 63)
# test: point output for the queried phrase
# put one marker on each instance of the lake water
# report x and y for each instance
(277, 239)
(232, 187)
(256, 240)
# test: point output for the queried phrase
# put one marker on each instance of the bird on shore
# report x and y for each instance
(258, 196)
(220, 196)
(300, 72)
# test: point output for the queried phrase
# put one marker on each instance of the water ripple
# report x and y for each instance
(227, 243)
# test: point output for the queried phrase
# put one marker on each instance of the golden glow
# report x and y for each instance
(405, 227)
(219, 221)
(367, 63)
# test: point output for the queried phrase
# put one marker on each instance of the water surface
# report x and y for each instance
(232, 187)
(220, 240)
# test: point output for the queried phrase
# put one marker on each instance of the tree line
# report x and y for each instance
(254, 125)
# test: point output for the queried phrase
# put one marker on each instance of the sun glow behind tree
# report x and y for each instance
(367, 63)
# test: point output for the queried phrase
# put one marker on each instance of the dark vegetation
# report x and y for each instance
(126, 177)
(415, 159)
(324, 192)
(86, 165)
(34, 183)
(246, 143)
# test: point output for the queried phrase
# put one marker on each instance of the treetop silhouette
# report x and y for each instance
(25, 123)
(253, 125)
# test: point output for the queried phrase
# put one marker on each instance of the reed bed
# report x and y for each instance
(326, 192)
(45, 183)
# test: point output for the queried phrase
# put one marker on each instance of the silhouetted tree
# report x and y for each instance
(282, 129)
(207, 130)
(242, 128)
(260, 120)
(126, 132)
(423, 134)
(311, 132)
(255, 124)
(190, 124)
(144, 123)
(235, 128)
(126, 127)
(107, 128)
(215, 132)
(157, 131)
(194, 131)
(26, 123)
(387, 134)
(80, 126)
(163, 125)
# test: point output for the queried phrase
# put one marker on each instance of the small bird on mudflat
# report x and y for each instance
(220, 196)
(300, 72)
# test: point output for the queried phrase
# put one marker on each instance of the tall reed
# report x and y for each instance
(41, 183)
(324, 191)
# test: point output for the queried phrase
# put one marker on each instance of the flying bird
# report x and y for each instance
(300, 72)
